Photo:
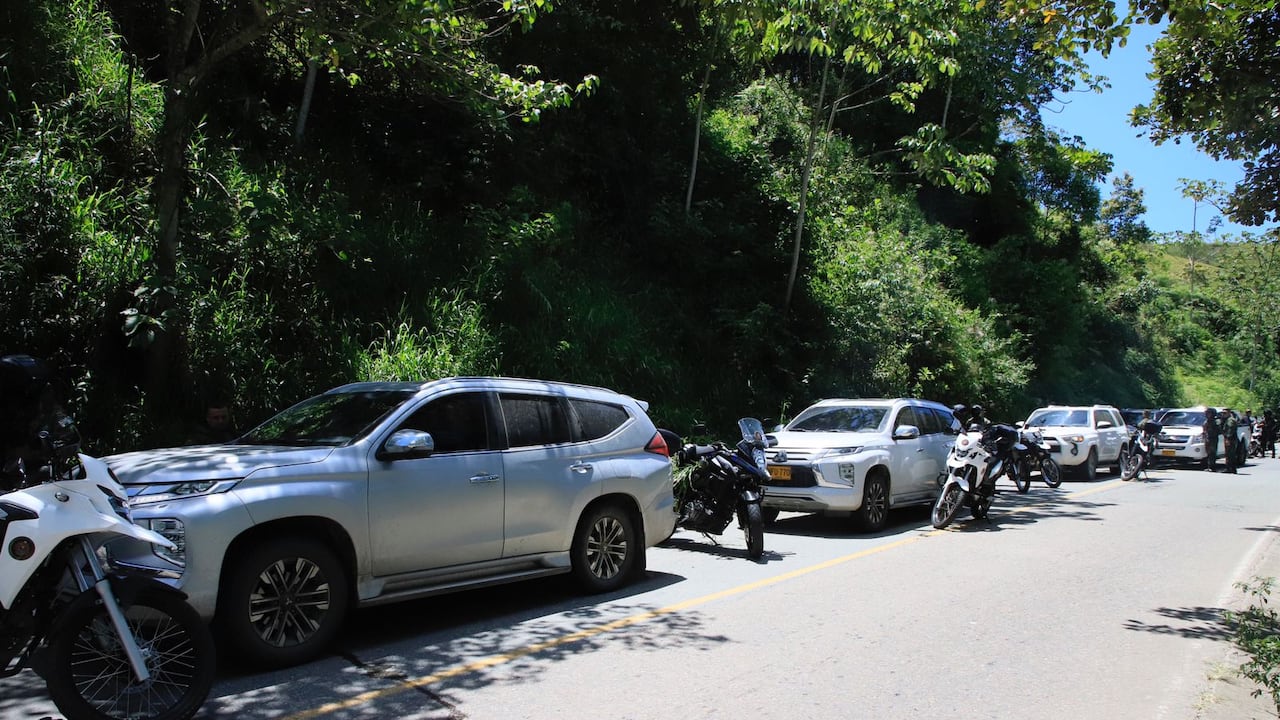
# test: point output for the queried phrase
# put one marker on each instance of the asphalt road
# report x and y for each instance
(1095, 600)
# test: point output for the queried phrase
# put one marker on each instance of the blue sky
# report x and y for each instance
(1102, 120)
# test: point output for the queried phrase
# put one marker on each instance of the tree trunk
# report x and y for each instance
(697, 139)
(814, 125)
(307, 91)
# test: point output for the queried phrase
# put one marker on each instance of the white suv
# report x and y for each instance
(1083, 436)
(859, 457)
(378, 492)
(1182, 437)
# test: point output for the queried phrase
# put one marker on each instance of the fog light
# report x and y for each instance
(175, 532)
(22, 548)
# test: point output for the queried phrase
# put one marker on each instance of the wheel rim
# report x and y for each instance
(606, 548)
(103, 678)
(877, 501)
(289, 602)
(950, 503)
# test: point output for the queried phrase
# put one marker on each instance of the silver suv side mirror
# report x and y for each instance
(906, 432)
(403, 443)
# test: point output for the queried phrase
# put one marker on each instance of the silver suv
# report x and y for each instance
(1082, 437)
(859, 458)
(378, 492)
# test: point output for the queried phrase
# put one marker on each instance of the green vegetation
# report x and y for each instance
(1257, 632)
(731, 208)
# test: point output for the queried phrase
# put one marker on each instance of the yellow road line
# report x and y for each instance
(503, 658)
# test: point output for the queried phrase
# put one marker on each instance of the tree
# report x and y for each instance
(441, 38)
(1216, 69)
(1122, 213)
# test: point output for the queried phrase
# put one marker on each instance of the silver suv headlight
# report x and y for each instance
(151, 494)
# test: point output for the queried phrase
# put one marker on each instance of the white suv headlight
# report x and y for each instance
(151, 494)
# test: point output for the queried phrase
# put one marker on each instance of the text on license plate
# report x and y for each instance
(1170, 453)
(780, 472)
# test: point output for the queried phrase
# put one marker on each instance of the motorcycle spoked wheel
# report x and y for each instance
(89, 675)
(751, 517)
(1021, 477)
(1051, 472)
(947, 506)
(1137, 461)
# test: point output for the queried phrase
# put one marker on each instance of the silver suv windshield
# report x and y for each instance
(329, 419)
(843, 418)
(1060, 418)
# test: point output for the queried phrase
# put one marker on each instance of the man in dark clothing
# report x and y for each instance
(1230, 441)
(1268, 433)
(1211, 439)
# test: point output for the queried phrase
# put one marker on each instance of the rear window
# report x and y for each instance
(593, 420)
(534, 420)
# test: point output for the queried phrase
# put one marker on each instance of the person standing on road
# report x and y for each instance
(1211, 439)
(1230, 442)
(1268, 432)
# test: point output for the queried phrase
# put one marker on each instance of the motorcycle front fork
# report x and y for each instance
(97, 581)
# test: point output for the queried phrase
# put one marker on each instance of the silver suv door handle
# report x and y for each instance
(483, 478)
(581, 468)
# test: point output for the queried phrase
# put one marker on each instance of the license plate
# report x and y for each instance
(780, 472)
(1169, 453)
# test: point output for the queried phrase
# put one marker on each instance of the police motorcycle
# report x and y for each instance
(1036, 457)
(978, 458)
(1143, 443)
(721, 482)
(109, 644)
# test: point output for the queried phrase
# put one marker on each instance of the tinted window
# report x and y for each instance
(594, 420)
(1101, 416)
(329, 419)
(456, 422)
(906, 416)
(534, 420)
(931, 421)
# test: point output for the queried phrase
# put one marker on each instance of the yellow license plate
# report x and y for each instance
(780, 472)
(1170, 453)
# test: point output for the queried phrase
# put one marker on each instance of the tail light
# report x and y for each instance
(658, 445)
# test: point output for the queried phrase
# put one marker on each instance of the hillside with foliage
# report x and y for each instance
(722, 207)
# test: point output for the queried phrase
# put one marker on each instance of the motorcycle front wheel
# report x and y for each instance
(1051, 472)
(947, 506)
(752, 519)
(89, 675)
(1134, 466)
(1020, 474)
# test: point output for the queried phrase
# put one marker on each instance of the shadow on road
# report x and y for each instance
(1194, 623)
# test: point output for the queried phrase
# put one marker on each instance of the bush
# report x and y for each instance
(1257, 632)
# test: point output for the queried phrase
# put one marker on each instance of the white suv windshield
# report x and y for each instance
(843, 418)
(329, 419)
(1060, 418)
(1179, 417)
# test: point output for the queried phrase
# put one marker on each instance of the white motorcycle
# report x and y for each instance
(108, 645)
(977, 459)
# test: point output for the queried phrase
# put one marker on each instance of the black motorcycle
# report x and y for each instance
(722, 483)
(1036, 456)
(978, 458)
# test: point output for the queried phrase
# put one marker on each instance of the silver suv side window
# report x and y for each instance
(593, 420)
(906, 416)
(534, 420)
(457, 423)
(1101, 416)
(931, 423)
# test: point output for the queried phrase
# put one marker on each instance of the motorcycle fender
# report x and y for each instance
(750, 496)
(962, 479)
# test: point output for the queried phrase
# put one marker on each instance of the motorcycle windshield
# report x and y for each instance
(753, 433)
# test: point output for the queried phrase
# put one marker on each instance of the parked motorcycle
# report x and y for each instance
(724, 483)
(1143, 445)
(109, 645)
(977, 459)
(1036, 457)
(1255, 441)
